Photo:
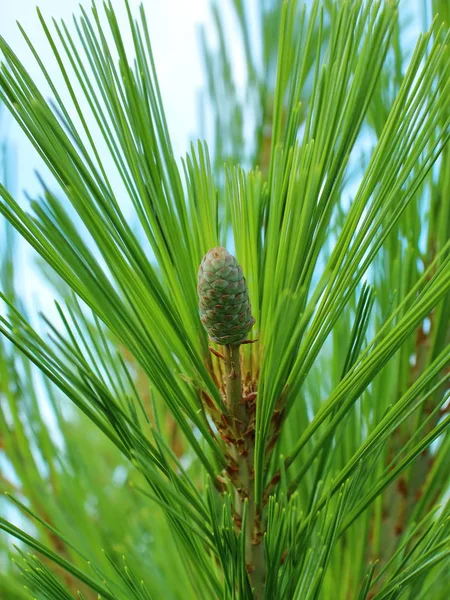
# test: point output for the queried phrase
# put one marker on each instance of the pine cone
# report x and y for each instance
(225, 309)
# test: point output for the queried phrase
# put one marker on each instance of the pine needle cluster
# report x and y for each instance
(143, 459)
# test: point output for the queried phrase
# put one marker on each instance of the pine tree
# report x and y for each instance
(244, 393)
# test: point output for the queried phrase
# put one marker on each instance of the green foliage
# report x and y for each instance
(311, 464)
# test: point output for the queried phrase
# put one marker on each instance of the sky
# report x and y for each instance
(173, 26)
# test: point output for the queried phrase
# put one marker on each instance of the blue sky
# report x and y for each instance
(173, 28)
(174, 34)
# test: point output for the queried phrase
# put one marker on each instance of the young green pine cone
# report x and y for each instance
(223, 297)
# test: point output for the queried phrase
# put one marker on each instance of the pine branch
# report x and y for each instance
(306, 459)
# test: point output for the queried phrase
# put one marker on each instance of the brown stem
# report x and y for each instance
(244, 457)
